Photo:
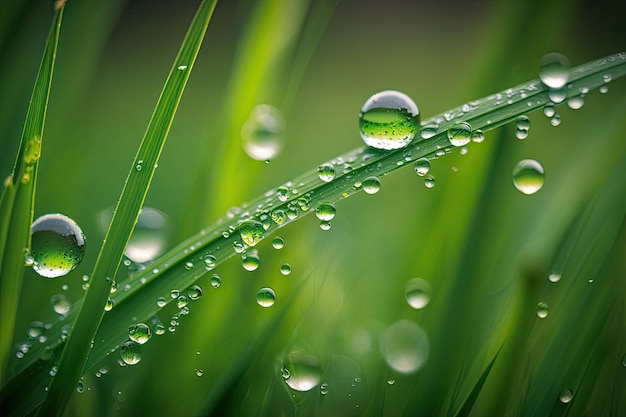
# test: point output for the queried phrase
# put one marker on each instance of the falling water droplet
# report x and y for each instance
(417, 293)
(324, 389)
(262, 133)
(554, 70)
(326, 172)
(422, 166)
(371, 185)
(528, 176)
(131, 352)
(139, 333)
(542, 310)
(266, 297)
(460, 134)
(389, 120)
(566, 396)
(251, 232)
(57, 245)
(305, 371)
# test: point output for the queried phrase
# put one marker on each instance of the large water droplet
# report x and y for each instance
(266, 297)
(422, 166)
(417, 292)
(262, 133)
(542, 310)
(389, 120)
(139, 333)
(460, 134)
(251, 232)
(325, 211)
(554, 70)
(131, 352)
(528, 176)
(57, 245)
(326, 172)
(405, 347)
(304, 371)
(371, 185)
(250, 260)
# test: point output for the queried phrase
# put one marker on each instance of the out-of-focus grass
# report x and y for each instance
(473, 235)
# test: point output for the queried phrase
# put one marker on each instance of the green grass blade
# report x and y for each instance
(77, 347)
(467, 405)
(18, 196)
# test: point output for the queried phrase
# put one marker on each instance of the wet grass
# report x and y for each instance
(486, 250)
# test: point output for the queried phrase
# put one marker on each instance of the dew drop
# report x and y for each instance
(603, 89)
(305, 371)
(405, 347)
(417, 293)
(326, 172)
(266, 297)
(371, 185)
(199, 372)
(428, 131)
(576, 103)
(159, 329)
(422, 166)
(60, 304)
(174, 293)
(216, 281)
(554, 70)
(131, 352)
(57, 245)
(325, 211)
(150, 235)
(251, 232)
(182, 301)
(35, 329)
(139, 333)
(522, 126)
(108, 306)
(389, 120)
(285, 269)
(607, 78)
(250, 260)
(161, 302)
(325, 225)
(278, 242)
(478, 136)
(429, 181)
(554, 277)
(262, 133)
(209, 262)
(549, 110)
(558, 95)
(566, 396)
(283, 193)
(555, 120)
(324, 389)
(528, 176)
(194, 292)
(460, 134)
(542, 310)
(188, 265)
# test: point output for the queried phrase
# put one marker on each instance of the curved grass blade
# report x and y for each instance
(136, 187)
(467, 405)
(18, 195)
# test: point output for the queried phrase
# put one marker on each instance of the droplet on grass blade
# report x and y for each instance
(460, 134)
(371, 185)
(422, 166)
(60, 304)
(131, 352)
(554, 70)
(251, 232)
(566, 396)
(325, 211)
(542, 310)
(389, 120)
(326, 172)
(139, 333)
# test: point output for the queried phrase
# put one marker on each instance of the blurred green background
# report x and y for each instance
(485, 248)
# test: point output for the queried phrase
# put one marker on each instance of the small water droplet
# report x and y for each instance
(417, 293)
(139, 165)
(566, 396)
(139, 333)
(607, 78)
(161, 302)
(266, 297)
(285, 269)
(324, 389)
(194, 292)
(262, 133)
(528, 176)
(251, 232)
(305, 371)
(210, 262)
(279, 217)
(554, 277)
(371, 185)
(428, 131)
(522, 126)
(555, 120)
(554, 70)
(422, 166)
(576, 103)
(478, 136)
(181, 67)
(558, 95)
(35, 329)
(278, 242)
(80, 388)
(542, 310)
(250, 260)
(389, 120)
(326, 172)
(57, 245)
(199, 372)
(182, 301)
(283, 193)
(216, 281)
(159, 329)
(460, 134)
(429, 181)
(325, 211)
(603, 89)
(131, 352)
(549, 110)
(60, 304)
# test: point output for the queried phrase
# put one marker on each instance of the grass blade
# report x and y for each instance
(18, 196)
(467, 405)
(77, 347)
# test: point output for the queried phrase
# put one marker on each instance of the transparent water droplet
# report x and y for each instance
(262, 133)
(528, 176)
(405, 347)
(325, 225)
(549, 110)
(174, 293)
(542, 310)
(131, 352)
(194, 292)
(603, 89)
(429, 181)
(371, 185)
(279, 217)
(422, 166)
(283, 193)
(160, 302)
(181, 67)
(558, 95)
(278, 242)
(460, 134)
(555, 120)
(159, 329)
(139, 333)
(305, 371)
(607, 78)
(188, 265)
(324, 389)
(389, 120)
(35, 329)
(80, 388)
(325, 211)
(216, 281)
(522, 126)
(576, 103)
(266, 297)
(251, 232)
(391, 381)
(417, 293)
(478, 136)
(326, 172)
(566, 396)
(182, 301)
(60, 304)
(428, 131)
(199, 372)
(139, 165)
(57, 245)
(554, 70)
(109, 304)
(285, 269)
(209, 262)
(554, 277)
(250, 261)
(150, 236)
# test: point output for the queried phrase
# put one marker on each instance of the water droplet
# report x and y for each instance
(174, 293)
(603, 89)
(150, 235)
(566, 396)
(159, 329)
(422, 166)
(326, 172)
(389, 120)
(549, 110)
(554, 277)
(460, 134)
(285, 269)
(216, 281)
(210, 262)
(35, 329)
(557, 96)
(283, 193)
(522, 126)
(305, 371)
(478, 136)
(139, 165)
(428, 131)
(325, 225)
(182, 301)
(161, 302)
(391, 381)
(528, 176)
(326, 211)
(109, 304)
(194, 292)
(278, 216)
(188, 265)
(80, 388)
(417, 292)
(324, 389)
(251, 232)
(429, 181)
(555, 120)
(371, 185)
(131, 352)
(554, 70)
(576, 103)
(607, 78)
(60, 304)
(262, 133)
(266, 297)
(542, 310)
(57, 245)
(405, 347)
(250, 260)
(139, 333)
(278, 242)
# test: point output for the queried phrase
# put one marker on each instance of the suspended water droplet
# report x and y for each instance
(417, 293)
(325, 225)
(57, 245)
(576, 103)
(371, 185)
(478, 136)
(558, 95)
(325, 211)
(555, 120)
(251, 232)
(405, 347)
(422, 166)
(389, 120)
(278, 242)
(139, 333)
(194, 292)
(391, 381)
(80, 388)
(216, 281)
(542, 310)
(528, 176)
(566, 396)
(305, 371)
(603, 89)
(262, 133)
(326, 172)
(285, 269)
(554, 277)
(35, 329)
(522, 126)
(131, 352)
(460, 134)
(549, 110)
(60, 304)
(554, 70)
(429, 181)
(266, 297)
(250, 261)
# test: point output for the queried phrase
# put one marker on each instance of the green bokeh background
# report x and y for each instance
(485, 248)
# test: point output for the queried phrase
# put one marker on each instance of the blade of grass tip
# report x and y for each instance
(18, 196)
(467, 405)
(136, 187)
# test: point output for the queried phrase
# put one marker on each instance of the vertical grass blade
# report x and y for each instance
(135, 189)
(18, 195)
(467, 405)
